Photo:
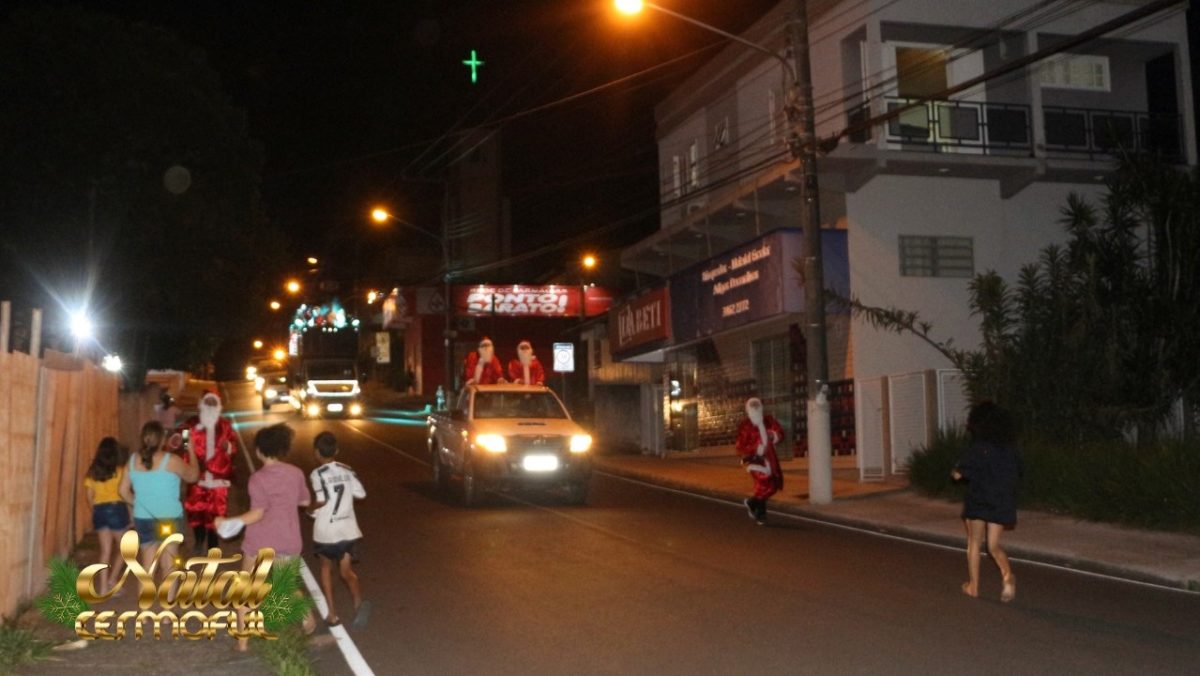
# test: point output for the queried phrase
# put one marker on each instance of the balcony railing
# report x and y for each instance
(1103, 133)
(990, 128)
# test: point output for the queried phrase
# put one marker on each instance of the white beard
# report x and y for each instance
(755, 415)
(485, 354)
(209, 415)
(526, 358)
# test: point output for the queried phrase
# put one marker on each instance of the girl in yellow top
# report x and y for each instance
(110, 514)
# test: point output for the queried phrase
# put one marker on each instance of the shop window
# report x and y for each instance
(922, 256)
(772, 361)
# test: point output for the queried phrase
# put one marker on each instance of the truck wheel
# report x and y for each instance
(441, 473)
(577, 493)
(472, 490)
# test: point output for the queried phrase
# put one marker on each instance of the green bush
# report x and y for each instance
(19, 647)
(1157, 486)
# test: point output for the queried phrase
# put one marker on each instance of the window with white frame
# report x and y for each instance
(694, 165)
(721, 134)
(1088, 72)
(925, 256)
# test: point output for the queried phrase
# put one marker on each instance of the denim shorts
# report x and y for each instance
(150, 531)
(110, 516)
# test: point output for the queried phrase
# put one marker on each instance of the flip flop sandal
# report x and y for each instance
(362, 615)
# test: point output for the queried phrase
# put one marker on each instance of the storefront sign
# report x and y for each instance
(531, 301)
(641, 321)
(749, 283)
(383, 347)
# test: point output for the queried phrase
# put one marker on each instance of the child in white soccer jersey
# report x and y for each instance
(335, 530)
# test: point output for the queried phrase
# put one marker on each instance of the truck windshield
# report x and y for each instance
(331, 370)
(491, 405)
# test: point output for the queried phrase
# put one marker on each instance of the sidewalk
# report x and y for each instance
(1164, 559)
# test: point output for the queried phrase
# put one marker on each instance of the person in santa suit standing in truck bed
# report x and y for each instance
(483, 366)
(526, 369)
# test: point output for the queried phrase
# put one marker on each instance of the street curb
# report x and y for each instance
(1016, 551)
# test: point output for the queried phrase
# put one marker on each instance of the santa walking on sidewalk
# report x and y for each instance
(756, 439)
(215, 441)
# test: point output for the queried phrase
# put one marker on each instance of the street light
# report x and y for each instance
(258, 344)
(312, 260)
(798, 74)
(589, 261)
(381, 215)
(292, 287)
(275, 305)
(279, 354)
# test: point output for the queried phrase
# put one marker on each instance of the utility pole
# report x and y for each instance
(804, 148)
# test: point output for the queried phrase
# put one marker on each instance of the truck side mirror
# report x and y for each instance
(458, 414)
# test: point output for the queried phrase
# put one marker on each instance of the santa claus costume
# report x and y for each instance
(483, 366)
(216, 444)
(756, 439)
(526, 369)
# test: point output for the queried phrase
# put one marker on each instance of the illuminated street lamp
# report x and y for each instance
(292, 287)
(312, 260)
(589, 262)
(258, 344)
(279, 354)
(382, 215)
(799, 107)
(275, 305)
(111, 363)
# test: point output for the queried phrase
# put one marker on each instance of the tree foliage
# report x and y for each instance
(1097, 337)
(93, 112)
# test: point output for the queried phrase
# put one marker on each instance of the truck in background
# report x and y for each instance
(323, 362)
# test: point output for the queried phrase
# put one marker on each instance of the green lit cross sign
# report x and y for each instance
(474, 63)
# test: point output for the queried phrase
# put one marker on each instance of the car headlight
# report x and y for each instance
(580, 443)
(355, 409)
(492, 443)
(271, 393)
(314, 410)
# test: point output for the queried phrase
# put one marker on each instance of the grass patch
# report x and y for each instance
(1153, 487)
(19, 647)
(287, 655)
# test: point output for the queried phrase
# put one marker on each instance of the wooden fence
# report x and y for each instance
(53, 413)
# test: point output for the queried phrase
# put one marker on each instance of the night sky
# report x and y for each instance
(349, 99)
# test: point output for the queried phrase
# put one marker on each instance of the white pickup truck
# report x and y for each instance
(509, 436)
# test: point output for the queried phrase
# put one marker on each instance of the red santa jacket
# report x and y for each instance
(219, 467)
(493, 372)
(537, 374)
(748, 438)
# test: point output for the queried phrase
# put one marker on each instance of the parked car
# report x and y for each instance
(509, 437)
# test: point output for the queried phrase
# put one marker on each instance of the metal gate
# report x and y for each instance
(909, 429)
(868, 430)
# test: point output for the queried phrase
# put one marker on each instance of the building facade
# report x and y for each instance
(917, 204)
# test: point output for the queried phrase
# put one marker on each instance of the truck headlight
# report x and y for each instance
(271, 393)
(356, 409)
(492, 443)
(313, 410)
(580, 443)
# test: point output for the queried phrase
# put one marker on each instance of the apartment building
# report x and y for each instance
(911, 207)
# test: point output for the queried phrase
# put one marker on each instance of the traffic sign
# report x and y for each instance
(564, 357)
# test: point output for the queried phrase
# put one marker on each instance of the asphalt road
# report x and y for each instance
(649, 581)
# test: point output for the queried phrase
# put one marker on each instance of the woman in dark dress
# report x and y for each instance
(991, 468)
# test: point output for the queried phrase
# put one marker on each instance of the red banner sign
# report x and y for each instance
(531, 301)
(643, 320)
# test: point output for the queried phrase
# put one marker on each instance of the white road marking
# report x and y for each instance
(344, 643)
